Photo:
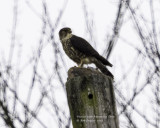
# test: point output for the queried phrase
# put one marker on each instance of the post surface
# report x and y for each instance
(91, 99)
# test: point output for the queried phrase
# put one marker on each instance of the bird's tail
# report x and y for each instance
(104, 61)
(102, 68)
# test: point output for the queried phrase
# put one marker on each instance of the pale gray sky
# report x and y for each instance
(101, 16)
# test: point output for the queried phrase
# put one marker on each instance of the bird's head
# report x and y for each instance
(65, 33)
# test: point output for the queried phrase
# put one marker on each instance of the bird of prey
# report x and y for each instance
(81, 52)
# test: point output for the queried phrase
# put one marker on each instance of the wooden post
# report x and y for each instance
(91, 99)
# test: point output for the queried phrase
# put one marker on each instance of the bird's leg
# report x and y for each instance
(81, 64)
(84, 61)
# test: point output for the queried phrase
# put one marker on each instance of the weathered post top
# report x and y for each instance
(91, 99)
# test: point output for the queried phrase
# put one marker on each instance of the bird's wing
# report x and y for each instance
(83, 46)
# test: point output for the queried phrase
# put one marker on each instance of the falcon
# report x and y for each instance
(81, 52)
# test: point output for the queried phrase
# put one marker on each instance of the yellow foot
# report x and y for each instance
(80, 65)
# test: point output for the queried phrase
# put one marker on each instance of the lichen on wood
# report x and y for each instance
(91, 99)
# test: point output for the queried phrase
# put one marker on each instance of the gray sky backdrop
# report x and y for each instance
(91, 19)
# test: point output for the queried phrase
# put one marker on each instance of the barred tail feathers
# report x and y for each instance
(103, 60)
(102, 68)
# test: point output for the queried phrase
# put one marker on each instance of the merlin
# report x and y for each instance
(81, 52)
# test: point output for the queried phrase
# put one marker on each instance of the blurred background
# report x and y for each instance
(33, 65)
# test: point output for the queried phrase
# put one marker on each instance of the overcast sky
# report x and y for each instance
(99, 17)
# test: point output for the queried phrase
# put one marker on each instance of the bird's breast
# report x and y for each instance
(72, 53)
